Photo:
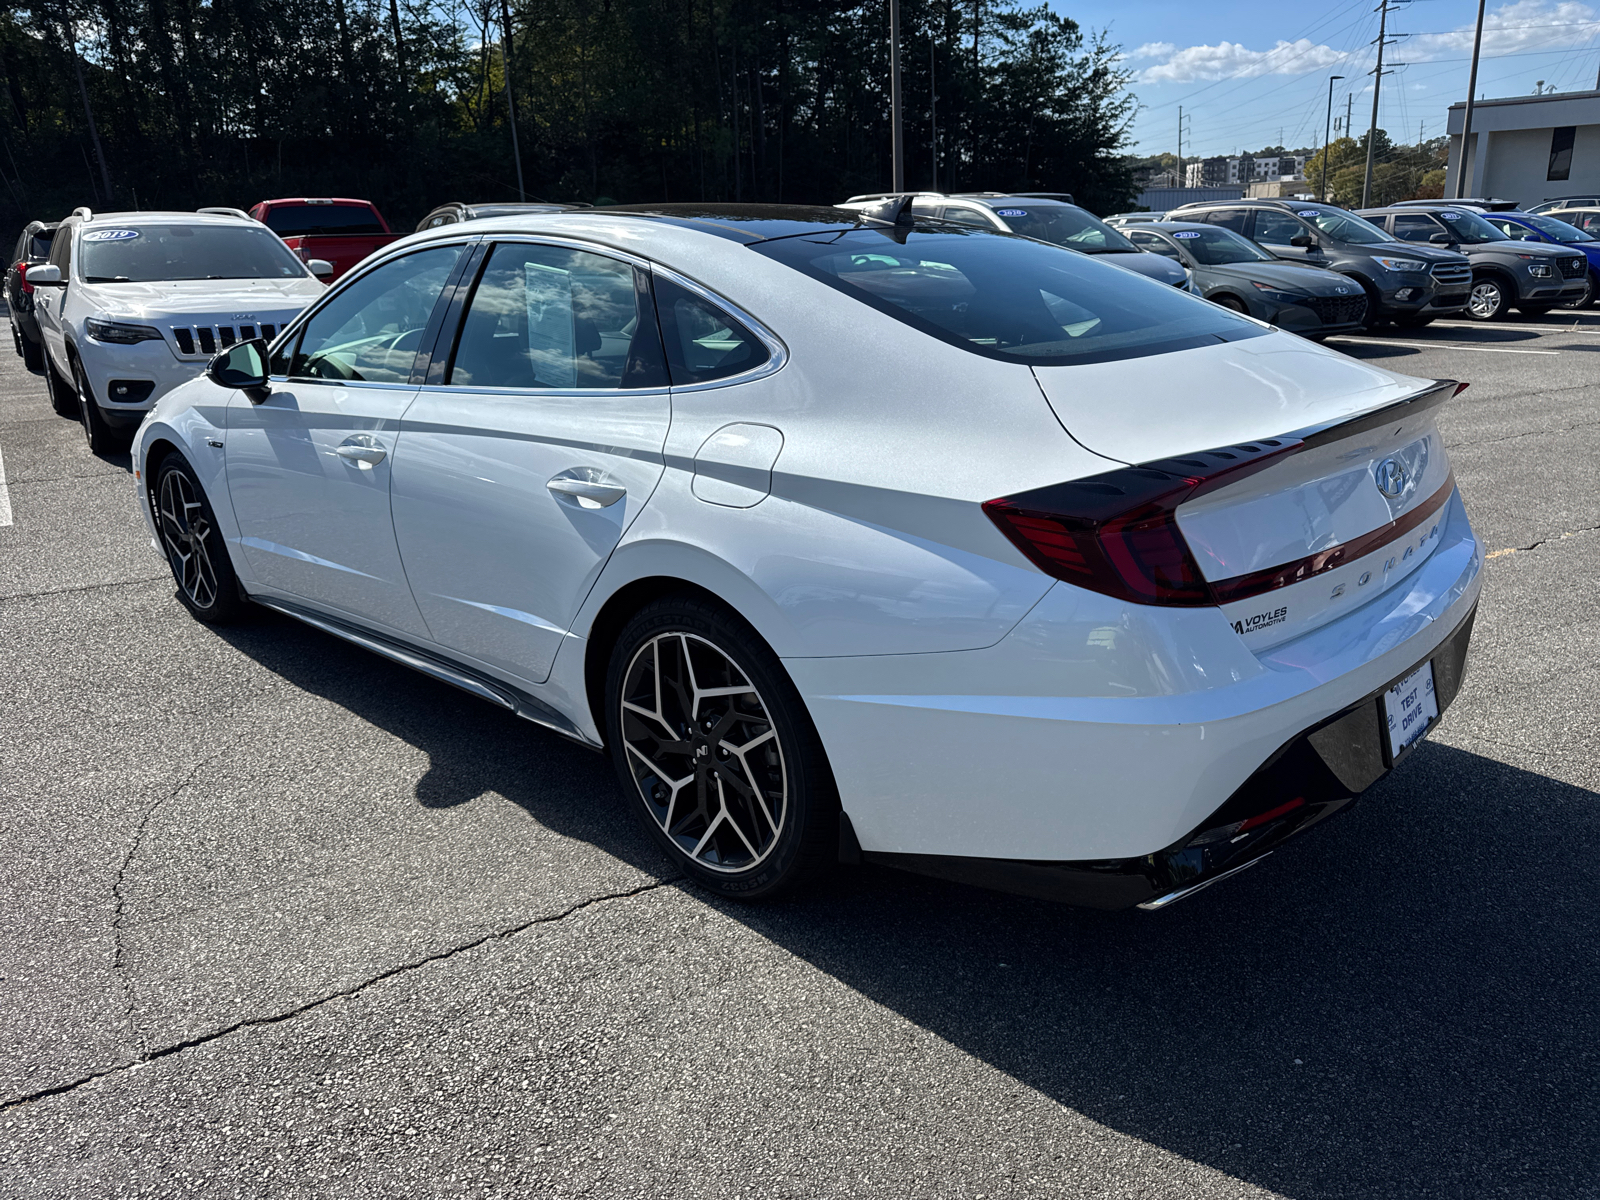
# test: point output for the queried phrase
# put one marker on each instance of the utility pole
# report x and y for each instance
(1349, 109)
(1178, 180)
(511, 103)
(1327, 140)
(94, 132)
(896, 141)
(933, 108)
(1377, 85)
(1466, 120)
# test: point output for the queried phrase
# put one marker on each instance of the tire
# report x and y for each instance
(32, 356)
(1591, 289)
(97, 431)
(1229, 303)
(671, 748)
(62, 398)
(1534, 310)
(193, 545)
(1489, 300)
(1413, 322)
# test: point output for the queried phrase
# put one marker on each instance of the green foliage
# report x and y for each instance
(404, 101)
(1398, 172)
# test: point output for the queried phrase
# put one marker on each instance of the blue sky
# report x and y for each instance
(1245, 69)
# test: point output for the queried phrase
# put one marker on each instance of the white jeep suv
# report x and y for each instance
(132, 304)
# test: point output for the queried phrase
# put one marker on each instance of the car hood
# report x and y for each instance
(1532, 249)
(1315, 280)
(193, 297)
(1142, 262)
(1431, 254)
(1140, 409)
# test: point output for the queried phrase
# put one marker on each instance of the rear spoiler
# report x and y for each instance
(1430, 397)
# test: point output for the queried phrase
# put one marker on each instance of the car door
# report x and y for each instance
(49, 302)
(1415, 227)
(531, 448)
(1276, 231)
(309, 467)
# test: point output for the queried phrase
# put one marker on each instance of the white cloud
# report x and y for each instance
(1515, 28)
(1230, 60)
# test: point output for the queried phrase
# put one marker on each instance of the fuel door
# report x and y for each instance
(733, 467)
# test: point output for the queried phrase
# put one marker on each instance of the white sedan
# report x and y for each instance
(851, 537)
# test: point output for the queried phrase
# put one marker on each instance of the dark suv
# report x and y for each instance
(32, 248)
(1505, 272)
(1406, 284)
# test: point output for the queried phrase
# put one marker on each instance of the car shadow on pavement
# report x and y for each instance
(1402, 1003)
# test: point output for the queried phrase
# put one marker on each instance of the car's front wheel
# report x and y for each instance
(97, 430)
(1591, 285)
(716, 750)
(193, 544)
(62, 398)
(1488, 300)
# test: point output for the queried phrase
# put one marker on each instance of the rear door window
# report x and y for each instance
(1229, 218)
(547, 317)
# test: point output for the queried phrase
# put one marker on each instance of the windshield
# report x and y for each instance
(153, 253)
(1006, 297)
(1343, 226)
(302, 220)
(1216, 247)
(1468, 227)
(1065, 225)
(1560, 230)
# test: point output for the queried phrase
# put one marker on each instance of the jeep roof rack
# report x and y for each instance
(84, 211)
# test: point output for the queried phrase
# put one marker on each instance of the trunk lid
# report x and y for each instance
(1324, 527)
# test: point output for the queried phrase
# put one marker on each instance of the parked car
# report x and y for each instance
(338, 231)
(1505, 273)
(1236, 273)
(1036, 217)
(132, 304)
(455, 212)
(32, 248)
(1558, 202)
(1407, 284)
(1121, 220)
(1586, 219)
(1477, 203)
(780, 506)
(1538, 228)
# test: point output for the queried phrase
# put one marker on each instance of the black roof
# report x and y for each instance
(745, 223)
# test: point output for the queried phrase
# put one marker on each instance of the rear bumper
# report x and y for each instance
(1319, 772)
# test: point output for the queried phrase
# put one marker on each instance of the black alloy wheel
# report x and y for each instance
(62, 398)
(97, 431)
(714, 746)
(207, 585)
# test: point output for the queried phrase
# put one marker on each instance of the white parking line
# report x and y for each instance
(1436, 345)
(5, 495)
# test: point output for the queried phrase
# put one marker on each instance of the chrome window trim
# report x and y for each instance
(777, 352)
(357, 272)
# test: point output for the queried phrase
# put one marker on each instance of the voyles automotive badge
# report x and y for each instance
(1391, 478)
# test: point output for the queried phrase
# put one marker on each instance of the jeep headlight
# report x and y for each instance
(121, 333)
(1400, 264)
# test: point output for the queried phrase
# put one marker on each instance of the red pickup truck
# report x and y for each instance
(337, 229)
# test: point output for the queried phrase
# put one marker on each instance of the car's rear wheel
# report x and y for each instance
(62, 398)
(193, 544)
(1230, 303)
(716, 750)
(97, 431)
(1488, 300)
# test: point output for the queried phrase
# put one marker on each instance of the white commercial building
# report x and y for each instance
(1528, 148)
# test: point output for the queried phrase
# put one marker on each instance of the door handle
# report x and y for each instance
(362, 449)
(590, 493)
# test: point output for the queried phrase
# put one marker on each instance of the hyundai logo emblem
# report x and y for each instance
(1342, 291)
(1391, 478)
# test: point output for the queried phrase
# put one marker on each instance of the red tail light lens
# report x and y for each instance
(22, 274)
(1117, 533)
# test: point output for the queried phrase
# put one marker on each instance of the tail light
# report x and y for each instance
(22, 274)
(1117, 533)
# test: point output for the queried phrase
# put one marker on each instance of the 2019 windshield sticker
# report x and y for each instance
(1308, 213)
(1262, 620)
(110, 235)
(1012, 212)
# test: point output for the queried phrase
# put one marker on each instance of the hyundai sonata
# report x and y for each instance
(849, 535)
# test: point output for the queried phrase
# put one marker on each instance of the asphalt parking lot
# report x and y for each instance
(281, 919)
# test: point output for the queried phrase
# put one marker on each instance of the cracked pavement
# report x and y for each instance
(279, 918)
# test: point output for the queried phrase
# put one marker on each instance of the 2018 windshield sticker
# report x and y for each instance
(1012, 212)
(110, 235)
(1260, 621)
(1187, 233)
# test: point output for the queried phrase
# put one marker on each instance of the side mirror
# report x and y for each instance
(1303, 240)
(1441, 239)
(242, 366)
(45, 275)
(320, 267)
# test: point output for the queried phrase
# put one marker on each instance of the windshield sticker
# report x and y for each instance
(1187, 233)
(1448, 216)
(1012, 212)
(110, 235)
(1310, 212)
